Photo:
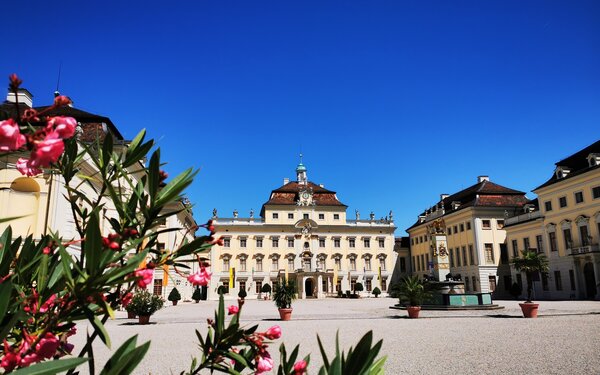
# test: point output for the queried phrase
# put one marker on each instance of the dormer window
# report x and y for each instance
(455, 205)
(562, 172)
(593, 159)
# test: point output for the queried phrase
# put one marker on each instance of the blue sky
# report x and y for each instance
(391, 102)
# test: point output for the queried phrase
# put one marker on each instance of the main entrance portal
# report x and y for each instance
(308, 288)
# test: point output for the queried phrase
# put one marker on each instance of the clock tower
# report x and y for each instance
(301, 173)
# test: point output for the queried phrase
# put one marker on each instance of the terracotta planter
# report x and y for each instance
(144, 319)
(174, 303)
(413, 311)
(130, 315)
(285, 314)
(530, 310)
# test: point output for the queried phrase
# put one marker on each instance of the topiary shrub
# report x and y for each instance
(197, 295)
(358, 287)
(242, 293)
(222, 289)
(174, 296)
(376, 292)
(265, 288)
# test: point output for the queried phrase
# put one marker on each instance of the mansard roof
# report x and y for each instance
(577, 164)
(288, 194)
(482, 194)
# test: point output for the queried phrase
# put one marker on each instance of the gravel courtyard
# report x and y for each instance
(564, 339)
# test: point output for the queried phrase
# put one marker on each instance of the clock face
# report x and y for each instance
(305, 195)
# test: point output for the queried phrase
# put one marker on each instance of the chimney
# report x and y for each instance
(321, 185)
(480, 179)
(443, 196)
(23, 96)
(286, 181)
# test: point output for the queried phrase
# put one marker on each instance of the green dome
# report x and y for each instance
(300, 168)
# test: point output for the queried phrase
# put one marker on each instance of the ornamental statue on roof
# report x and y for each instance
(438, 226)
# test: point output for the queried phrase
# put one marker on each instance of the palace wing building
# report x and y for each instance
(302, 233)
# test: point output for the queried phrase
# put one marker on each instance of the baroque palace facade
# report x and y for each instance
(469, 231)
(564, 224)
(304, 234)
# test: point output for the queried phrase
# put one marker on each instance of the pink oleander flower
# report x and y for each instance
(146, 275)
(201, 278)
(64, 126)
(24, 166)
(29, 359)
(300, 367)
(47, 346)
(273, 333)
(11, 138)
(264, 364)
(47, 151)
(10, 360)
(126, 299)
(233, 309)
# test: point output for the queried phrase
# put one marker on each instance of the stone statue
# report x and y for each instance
(214, 213)
(251, 213)
(372, 215)
(357, 214)
(391, 216)
(235, 213)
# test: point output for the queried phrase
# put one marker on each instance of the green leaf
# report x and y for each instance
(126, 358)
(99, 327)
(92, 246)
(175, 187)
(323, 354)
(6, 289)
(51, 367)
(42, 276)
(5, 219)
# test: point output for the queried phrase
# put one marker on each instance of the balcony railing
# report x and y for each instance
(585, 249)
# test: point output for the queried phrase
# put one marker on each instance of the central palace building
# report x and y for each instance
(303, 232)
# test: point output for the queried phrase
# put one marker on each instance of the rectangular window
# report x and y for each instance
(351, 242)
(515, 248)
(291, 264)
(458, 261)
(226, 242)
(486, 224)
(526, 244)
(464, 255)
(489, 253)
(414, 263)
(290, 242)
(451, 252)
(382, 263)
(321, 242)
(242, 242)
(258, 287)
(552, 240)
(259, 242)
(462, 227)
(471, 255)
(584, 235)
(383, 284)
(545, 286)
(572, 279)
(157, 290)
(368, 264)
(596, 192)
(352, 284)
(338, 264)
(402, 264)
(492, 283)
(324, 286)
(259, 265)
(468, 225)
(242, 285)
(305, 216)
(474, 279)
(368, 285)
(225, 264)
(557, 280)
(579, 197)
(500, 224)
(562, 202)
(381, 243)
(455, 229)
(336, 242)
(449, 231)
(274, 264)
(290, 216)
(336, 216)
(567, 238)
(321, 216)
(540, 243)
(367, 242)
(275, 242)
(275, 215)
(242, 264)
(352, 264)
(427, 261)
(548, 205)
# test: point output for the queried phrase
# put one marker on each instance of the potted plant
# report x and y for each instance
(174, 296)
(530, 262)
(283, 295)
(266, 289)
(358, 287)
(144, 304)
(376, 292)
(197, 295)
(413, 292)
(242, 294)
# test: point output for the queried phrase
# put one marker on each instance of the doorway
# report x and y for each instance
(308, 288)
(590, 280)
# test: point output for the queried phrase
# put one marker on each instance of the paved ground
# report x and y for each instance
(564, 339)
